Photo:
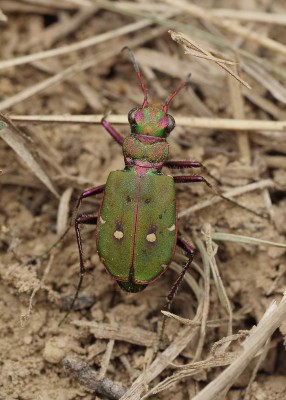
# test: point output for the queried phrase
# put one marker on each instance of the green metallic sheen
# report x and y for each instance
(156, 216)
(151, 152)
(118, 208)
(132, 204)
(148, 124)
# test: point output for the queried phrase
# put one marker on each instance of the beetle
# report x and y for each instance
(136, 226)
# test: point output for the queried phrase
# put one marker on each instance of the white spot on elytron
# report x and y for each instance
(172, 228)
(118, 234)
(151, 237)
(102, 220)
(164, 266)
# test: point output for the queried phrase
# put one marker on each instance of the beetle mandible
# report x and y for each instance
(136, 226)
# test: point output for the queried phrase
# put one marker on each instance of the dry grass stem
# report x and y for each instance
(275, 161)
(260, 360)
(63, 211)
(268, 81)
(191, 370)
(265, 183)
(229, 26)
(249, 15)
(272, 319)
(123, 333)
(266, 105)
(83, 44)
(161, 362)
(193, 122)
(18, 142)
(82, 3)
(205, 297)
(65, 4)
(216, 348)
(55, 79)
(189, 46)
(3, 17)
(72, 70)
(19, 7)
(146, 7)
(211, 248)
(210, 323)
(230, 237)
(106, 360)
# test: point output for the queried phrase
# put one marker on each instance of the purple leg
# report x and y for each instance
(171, 295)
(87, 220)
(190, 164)
(195, 178)
(183, 164)
(190, 252)
(190, 179)
(78, 220)
(116, 136)
(87, 193)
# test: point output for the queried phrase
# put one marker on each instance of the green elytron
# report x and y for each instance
(137, 223)
(138, 227)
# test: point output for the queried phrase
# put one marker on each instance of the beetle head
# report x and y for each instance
(152, 120)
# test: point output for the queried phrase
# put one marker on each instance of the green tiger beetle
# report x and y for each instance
(136, 226)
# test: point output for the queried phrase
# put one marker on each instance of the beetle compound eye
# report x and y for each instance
(131, 115)
(171, 124)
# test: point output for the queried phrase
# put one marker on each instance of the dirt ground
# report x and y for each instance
(115, 332)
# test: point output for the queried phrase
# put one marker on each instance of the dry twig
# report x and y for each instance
(189, 46)
(89, 378)
(120, 332)
(193, 122)
(272, 319)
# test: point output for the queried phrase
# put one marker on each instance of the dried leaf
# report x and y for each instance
(16, 140)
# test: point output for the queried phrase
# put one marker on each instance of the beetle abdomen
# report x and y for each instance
(136, 233)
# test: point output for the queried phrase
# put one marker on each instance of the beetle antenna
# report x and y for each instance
(139, 76)
(169, 98)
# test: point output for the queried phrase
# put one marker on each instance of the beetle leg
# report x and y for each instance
(190, 164)
(87, 193)
(171, 295)
(87, 220)
(196, 178)
(116, 136)
(190, 252)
